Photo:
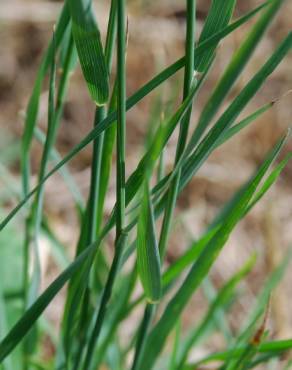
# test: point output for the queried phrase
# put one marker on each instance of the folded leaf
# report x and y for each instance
(148, 258)
(90, 52)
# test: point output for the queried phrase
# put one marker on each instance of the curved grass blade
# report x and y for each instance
(259, 308)
(243, 123)
(69, 180)
(275, 348)
(79, 309)
(192, 253)
(31, 288)
(206, 146)
(8, 363)
(189, 75)
(187, 258)
(195, 249)
(26, 322)
(200, 268)
(223, 296)
(120, 234)
(115, 316)
(269, 181)
(33, 104)
(106, 295)
(90, 52)
(235, 67)
(251, 350)
(217, 18)
(133, 100)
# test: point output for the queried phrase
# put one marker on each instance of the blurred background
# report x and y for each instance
(156, 38)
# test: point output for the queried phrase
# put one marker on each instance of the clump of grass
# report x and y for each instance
(96, 305)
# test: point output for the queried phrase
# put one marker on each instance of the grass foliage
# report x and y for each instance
(101, 293)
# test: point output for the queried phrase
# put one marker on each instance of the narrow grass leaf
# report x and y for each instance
(133, 100)
(159, 141)
(68, 178)
(272, 178)
(33, 104)
(207, 145)
(194, 250)
(175, 349)
(257, 311)
(88, 43)
(106, 160)
(200, 268)
(192, 253)
(120, 299)
(8, 364)
(218, 17)
(235, 129)
(26, 322)
(148, 259)
(240, 58)
(276, 347)
(223, 296)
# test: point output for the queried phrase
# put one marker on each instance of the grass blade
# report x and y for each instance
(218, 18)
(88, 43)
(196, 159)
(223, 296)
(121, 235)
(257, 311)
(26, 322)
(33, 104)
(235, 67)
(235, 129)
(131, 101)
(276, 348)
(200, 268)
(148, 258)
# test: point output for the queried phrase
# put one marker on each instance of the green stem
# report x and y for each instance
(133, 100)
(121, 119)
(184, 126)
(95, 202)
(94, 206)
(105, 299)
(109, 49)
(173, 189)
(121, 236)
(142, 334)
(34, 220)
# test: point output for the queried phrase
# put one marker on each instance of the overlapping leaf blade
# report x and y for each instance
(134, 99)
(224, 294)
(218, 18)
(200, 268)
(26, 322)
(240, 58)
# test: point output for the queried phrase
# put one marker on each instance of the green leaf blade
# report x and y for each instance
(202, 265)
(89, 47)
(148, 258)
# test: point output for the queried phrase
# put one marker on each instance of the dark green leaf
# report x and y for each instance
(88, 43)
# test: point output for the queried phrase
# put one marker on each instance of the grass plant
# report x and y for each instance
(101, 291)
